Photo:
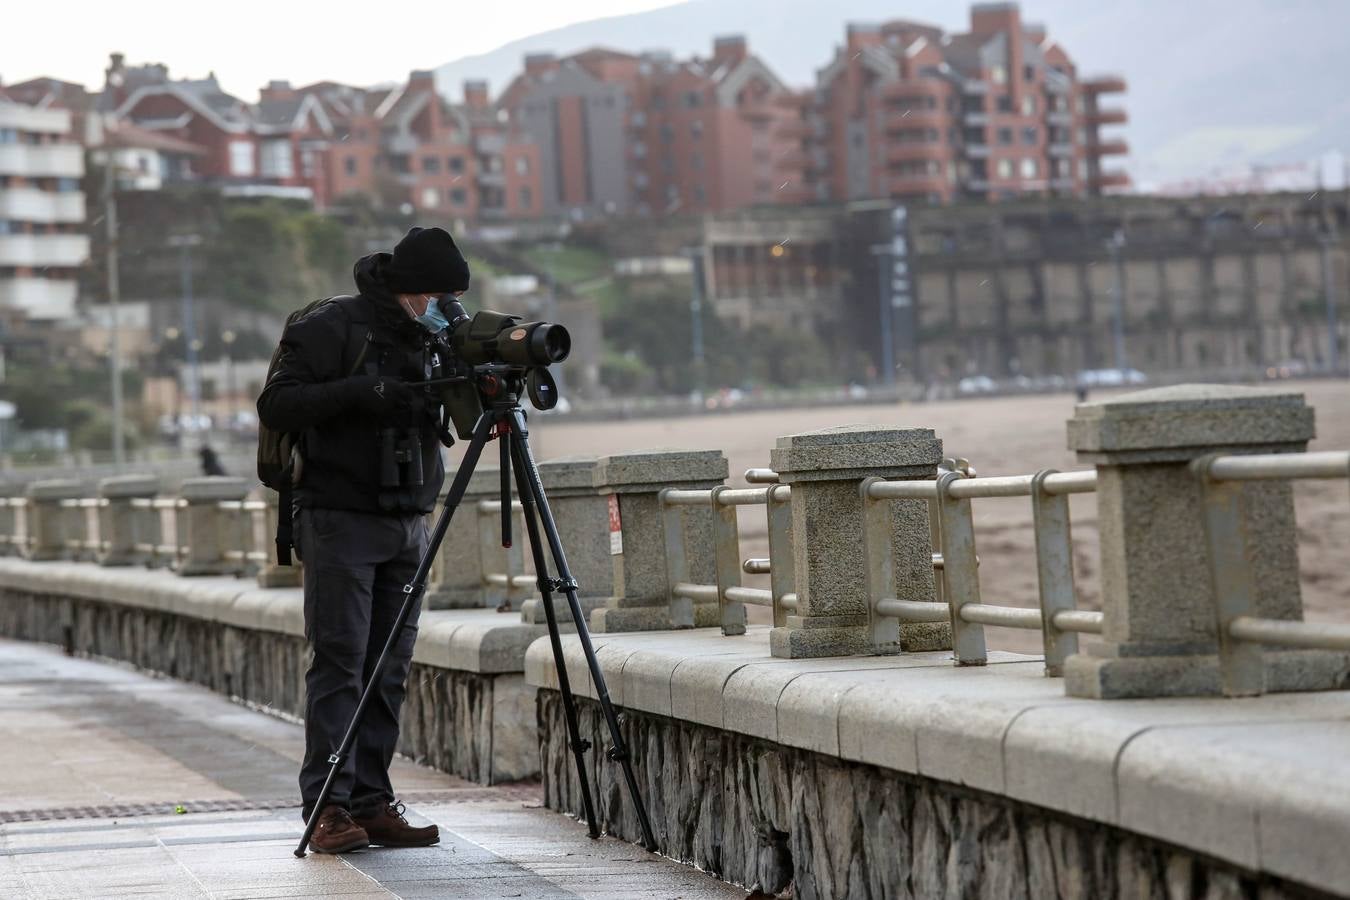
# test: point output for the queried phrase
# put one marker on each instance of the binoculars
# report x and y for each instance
(400, 458)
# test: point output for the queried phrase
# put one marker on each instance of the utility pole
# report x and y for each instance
(1114, 246)
(885, 313)
(696, 318)
(1328, 240)
(185, 243)
(119, 438)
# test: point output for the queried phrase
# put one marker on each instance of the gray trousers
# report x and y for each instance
(355, 567)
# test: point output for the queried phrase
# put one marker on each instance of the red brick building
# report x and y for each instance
(622, 133)
(907, 112)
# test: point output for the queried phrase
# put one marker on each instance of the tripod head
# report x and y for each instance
(465, 390)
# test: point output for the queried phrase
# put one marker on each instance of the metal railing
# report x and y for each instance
(161, 532)
(949, 499)
(728, 592)
(1242, 634)
(503, 568)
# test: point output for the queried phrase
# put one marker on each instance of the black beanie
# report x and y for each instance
(426, 261)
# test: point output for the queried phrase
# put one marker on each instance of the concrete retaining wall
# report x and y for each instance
(908, 777)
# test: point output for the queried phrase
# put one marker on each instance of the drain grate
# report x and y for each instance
(524, 792)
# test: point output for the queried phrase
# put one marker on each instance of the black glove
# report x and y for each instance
(375, 395)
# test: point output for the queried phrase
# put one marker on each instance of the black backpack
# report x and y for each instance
(278, 450)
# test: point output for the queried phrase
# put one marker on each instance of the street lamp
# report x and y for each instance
(1114, 246)
(695, 255)
(884, 311)
(185, 243)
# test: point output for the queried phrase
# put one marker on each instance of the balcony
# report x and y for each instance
(34, 250)
(1061, 184)
(1104, 84)
(40, 298)
(1060, 149)
(1110, 180)
(916, 118)
(896, 152)
(489, 144)
(975, 118)
(908, 184)
(42, 161)
(48, 207)
(976, 151)
(1107, 117)
(1059, 117)
(494, 179)
(1115, 147)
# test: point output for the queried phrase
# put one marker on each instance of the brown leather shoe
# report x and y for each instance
(387, 828)
(337, 833)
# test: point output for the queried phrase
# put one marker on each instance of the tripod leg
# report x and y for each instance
(412, 591)
(619, 751)
(579, 746)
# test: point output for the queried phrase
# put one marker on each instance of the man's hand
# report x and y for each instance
(376, 395)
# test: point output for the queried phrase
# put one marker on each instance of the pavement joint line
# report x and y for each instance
(522, 791)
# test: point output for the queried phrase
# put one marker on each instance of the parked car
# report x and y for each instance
(976, 384)
(1110, 377)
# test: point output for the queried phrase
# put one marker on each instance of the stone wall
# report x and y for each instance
(448, 716)
(779, 818)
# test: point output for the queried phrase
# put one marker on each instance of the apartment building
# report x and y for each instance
(623, 133)
(42, 212)
(908, 112)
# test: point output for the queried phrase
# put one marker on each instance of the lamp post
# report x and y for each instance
(185, 243)
(885, 313)
(119, 440)
(227, 338)
(695, 255)
(1114, 246)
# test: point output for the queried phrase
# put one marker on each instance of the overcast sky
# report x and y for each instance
(259, 40)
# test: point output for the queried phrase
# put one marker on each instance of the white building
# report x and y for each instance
(42, 212)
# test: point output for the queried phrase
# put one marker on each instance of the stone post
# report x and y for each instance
(582, 516)
(457, 573)
(46, 520)
(273, 574)
(206, 529)
(631, 484)
(117, 519)
(1159, 623)
(826, 469)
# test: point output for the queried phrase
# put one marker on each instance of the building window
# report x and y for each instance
(1005, 137)
(639, 150)
(278, 160)
(525, 197)
(667, 134)
(455, 164)
(522, 166)
(350, 165)
(1005, 168)
(1028, 73)
(458, 197)
(696, 129)
(1004, 103)
(430, 197)
(638, 119)
(65, 185)
(1029, 168)
(1028, 105)
(8, 136)
(431, 164)
(696, 162)
(692, 99)
(998, 74)
(700, 196)
(6, 227)
(241, 158)
(1029, 136)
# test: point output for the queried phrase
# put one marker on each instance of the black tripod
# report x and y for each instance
(504, 419)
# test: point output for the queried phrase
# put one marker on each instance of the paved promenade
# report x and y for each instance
(98, 758)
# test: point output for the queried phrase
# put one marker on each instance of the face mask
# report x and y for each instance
(433, 320)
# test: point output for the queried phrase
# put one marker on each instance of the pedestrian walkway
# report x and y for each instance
(115, 783)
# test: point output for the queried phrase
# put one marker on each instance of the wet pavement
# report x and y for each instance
(116, 783)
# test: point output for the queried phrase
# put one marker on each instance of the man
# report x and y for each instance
(342, 382)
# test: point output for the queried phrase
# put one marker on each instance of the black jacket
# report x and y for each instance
(341, 449)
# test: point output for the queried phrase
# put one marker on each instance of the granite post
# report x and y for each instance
(826, 469)
(1159, 630)
(274, 574)
(46, 520)
(117, 518)
(631, 484)
(206, 530)
(456, 580)
(582, 517)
